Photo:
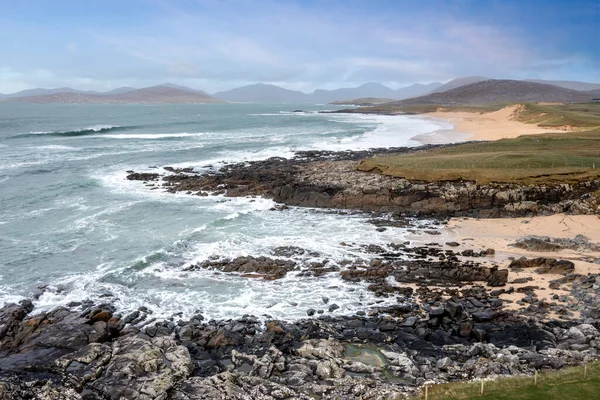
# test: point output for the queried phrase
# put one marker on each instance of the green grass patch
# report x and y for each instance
(553, 157)
(568, 383)
(583, 116)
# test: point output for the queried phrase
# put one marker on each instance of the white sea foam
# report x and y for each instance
(228, 157)
(54, 147)
(385, 131)
(168, 289)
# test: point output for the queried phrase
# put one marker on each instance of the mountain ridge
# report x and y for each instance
(159, 94)
(269, 93)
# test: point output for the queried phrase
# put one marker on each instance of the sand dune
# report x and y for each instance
(500, 124)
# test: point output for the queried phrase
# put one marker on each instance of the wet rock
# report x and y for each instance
(249, 267)
(288, 251)
(143, 176)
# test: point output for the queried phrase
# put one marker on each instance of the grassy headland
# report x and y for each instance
(566, 156)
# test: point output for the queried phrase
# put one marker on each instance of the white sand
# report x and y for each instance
(495, 125)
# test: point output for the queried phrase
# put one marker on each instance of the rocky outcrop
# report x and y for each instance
(544, 265)
(142, 176)
(249, 267)
(331, 180)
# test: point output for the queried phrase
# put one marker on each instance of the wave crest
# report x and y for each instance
(90, 130)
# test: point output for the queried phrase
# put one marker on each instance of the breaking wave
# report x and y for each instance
(90, 130)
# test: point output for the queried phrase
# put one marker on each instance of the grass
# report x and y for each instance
(553, 157)
(585, 115)
(568, 383)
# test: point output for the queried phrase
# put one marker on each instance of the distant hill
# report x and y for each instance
(119, 90)
(417, 89)
(164, 94)
(496, 91)
(458, 82)
(262, 93)
(575, 85)
(371, 89)
(152, 95)
(42, 92)
(186, 88)
(364, 101)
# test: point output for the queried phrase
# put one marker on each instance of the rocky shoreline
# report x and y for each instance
(434, 334)
(456, 313)
(332, 180)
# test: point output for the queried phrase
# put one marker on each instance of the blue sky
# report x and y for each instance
(216, 45)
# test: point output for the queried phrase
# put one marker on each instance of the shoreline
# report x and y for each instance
(457, 301)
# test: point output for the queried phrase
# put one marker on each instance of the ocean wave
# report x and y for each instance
(90, 130)
(154, 136)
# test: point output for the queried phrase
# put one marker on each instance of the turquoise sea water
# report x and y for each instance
(70, 220)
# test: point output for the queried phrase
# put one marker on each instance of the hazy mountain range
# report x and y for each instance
(261, 93)
(265, 93)
(161, 94)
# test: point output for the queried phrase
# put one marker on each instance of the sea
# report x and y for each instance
(73, 225)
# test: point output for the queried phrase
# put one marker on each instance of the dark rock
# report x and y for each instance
(544, 265)
(484, 316)
(142, 176)
(333, 307)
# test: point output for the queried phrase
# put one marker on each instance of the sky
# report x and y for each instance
(303, 44)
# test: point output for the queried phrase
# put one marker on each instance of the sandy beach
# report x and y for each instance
(496, 125)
